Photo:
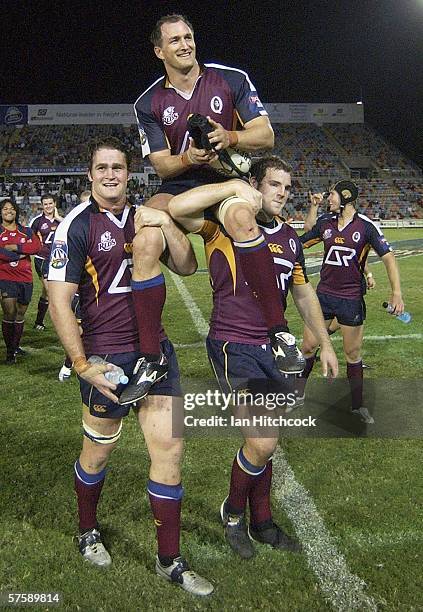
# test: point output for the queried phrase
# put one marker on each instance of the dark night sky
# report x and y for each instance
(295, 51)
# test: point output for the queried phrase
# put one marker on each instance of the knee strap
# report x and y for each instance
(100, 438)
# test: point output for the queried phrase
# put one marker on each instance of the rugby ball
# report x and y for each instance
(232, 163)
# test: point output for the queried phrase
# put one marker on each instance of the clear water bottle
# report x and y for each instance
(116, 376)
(405, 317)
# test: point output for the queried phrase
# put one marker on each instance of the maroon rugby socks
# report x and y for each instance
(259, 498)
(88, 489)
(8, 331)
(355, 378)
(42, 310)
(149, 297)
(166, 502)
(245, 477)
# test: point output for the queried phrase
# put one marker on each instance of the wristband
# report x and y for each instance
(80, 364)
(233, 138)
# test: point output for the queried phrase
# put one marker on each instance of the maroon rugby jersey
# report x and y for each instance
(225, 94)
(345, 253)
(44, 228)
(236, 315)
(93, 249)
(12, 267)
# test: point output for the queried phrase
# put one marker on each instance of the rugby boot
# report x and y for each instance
(179, 573)
(236, 533)
(364, 415)
(146, 374)
(289, 359)
(274, 537)
(199, 128)
(92, 548)
(20, 352)
(64, 373)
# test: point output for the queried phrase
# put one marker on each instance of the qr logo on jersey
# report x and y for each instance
(327, 234)
(356, 236)
(59, 255)
(106, 242)
(169, 115)
(44, 226)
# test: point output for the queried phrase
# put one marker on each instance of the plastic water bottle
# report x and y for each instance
(116, 376)
(405, 317)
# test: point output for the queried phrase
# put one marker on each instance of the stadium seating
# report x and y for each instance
(319, 155)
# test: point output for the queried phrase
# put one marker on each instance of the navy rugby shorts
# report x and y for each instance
(22, 292)
(246, 366)
(348, 312)
(102, 407)
(190, 179)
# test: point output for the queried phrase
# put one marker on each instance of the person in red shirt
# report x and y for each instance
(17, 243)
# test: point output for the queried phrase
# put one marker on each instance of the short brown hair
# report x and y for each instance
(260, 167)
(156, 37)
(109, 142)
(48, 196)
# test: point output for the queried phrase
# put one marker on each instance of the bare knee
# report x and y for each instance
(94, 457)
(148, 246)
(259, 450)
(353, 354)
(148, 242)
(240, 222)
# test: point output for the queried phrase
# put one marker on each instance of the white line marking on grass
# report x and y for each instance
(51, 348)
(196, 314)
(343, 590)
(381, 338)
(191, 345)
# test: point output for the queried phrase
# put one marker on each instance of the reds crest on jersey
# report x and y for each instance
(169, 115)
(106, 242)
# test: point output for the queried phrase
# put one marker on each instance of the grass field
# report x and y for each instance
(354, 502)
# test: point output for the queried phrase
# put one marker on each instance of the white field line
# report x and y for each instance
(343, 590)
(196, 315)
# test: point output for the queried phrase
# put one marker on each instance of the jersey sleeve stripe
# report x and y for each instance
(144, 92)
(222, 67)
(379, 231)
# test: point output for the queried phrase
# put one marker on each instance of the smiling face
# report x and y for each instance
(109, 176)
(177, 49)
(8, 213)
(48, 206)
(275, 188)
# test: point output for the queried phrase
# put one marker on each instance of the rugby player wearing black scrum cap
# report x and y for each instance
(347, 237)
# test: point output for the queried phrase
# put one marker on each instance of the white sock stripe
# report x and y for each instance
(81, 479)
(245, 469)
(161, 496)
